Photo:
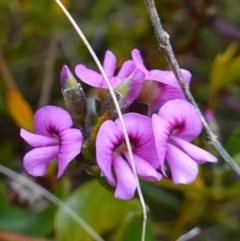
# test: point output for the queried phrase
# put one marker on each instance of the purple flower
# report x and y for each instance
(165, 86)
(128, 82)
(54, 138)
(113, 157)
(176, 124)
(95, 79)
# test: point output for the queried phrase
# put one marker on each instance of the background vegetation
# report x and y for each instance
(36, 40)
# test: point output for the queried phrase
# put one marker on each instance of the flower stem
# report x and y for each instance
(81, 35)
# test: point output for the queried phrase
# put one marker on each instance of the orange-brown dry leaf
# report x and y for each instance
(20, 110)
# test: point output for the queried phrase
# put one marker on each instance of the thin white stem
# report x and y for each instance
(78, 30)
(25, 181)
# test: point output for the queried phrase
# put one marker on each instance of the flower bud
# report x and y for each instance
(74, 96)
(107, 107)
(67, 79)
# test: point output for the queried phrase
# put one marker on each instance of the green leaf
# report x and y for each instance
(29, 222)
(131, 229)
(232, 145)
(20, 220)
(98, 208)
(232, 73)
(161, 196)
(225, 70)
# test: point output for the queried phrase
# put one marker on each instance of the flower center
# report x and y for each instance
(175, 131)
(55, 135)
(152, 87)
(122, 147)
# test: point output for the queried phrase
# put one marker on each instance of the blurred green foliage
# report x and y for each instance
(36, 40)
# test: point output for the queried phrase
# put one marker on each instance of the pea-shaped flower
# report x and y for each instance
(161, 84)
(95, 79)
(113, 158)
(53, 138)
(176, 124)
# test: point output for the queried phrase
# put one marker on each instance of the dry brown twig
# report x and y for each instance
(166, 48)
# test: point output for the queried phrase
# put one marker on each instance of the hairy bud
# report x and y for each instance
(74, 96)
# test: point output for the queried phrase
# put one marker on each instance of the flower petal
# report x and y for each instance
(35, 162)
(183, 118)
(139, 129)
(167, 92)
(70, 147)
(89, 76)
(126, 182)
(109, 63)
(67, 79)
(168, 77)
(138, 61)
(126, 69)
(51, 120)
(35, 140)
(134, 84)
(143, 168)
(186, 75)
(197, 154)
(95, 79)
(183, 169)
(162, 131)
(109, 137)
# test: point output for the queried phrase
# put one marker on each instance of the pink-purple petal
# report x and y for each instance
(168, 77)
(135, 83)
(183, 169)
(186, 75)
(165, 77)
(162, 131)
(108, 138)
(95, 79)
(126, 69)
(167, 93)
(51, 120)
(109, 63)
(183, 118)
(143, 168)
(115, 81)
(35, 140)
(36, 161)
(139, 129)
(70, 147)
(197, 154)
(126, 182)
(89, 76)
(138, 61)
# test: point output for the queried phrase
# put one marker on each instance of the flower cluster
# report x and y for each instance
(159, 121)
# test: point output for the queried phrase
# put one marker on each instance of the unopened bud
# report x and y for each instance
(67, 79)
(74, 96)
(108, 107)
